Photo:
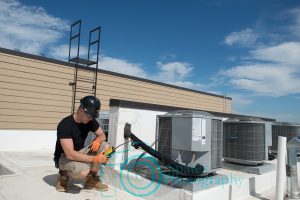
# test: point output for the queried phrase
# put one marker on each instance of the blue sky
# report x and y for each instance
(248, 50)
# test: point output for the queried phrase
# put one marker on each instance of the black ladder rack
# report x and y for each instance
(85, 72)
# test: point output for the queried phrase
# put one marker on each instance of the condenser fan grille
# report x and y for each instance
(245, 141)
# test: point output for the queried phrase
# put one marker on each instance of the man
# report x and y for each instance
(70, 157)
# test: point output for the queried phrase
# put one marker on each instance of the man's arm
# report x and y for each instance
(100, 134)
(71, 154)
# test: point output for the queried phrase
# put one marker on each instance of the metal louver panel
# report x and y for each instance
(164, 137)
(216, 144)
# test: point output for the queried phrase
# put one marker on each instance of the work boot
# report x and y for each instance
(93, 182)
(62, 182)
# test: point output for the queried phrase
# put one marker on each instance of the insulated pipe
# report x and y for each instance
(168, 162)
(280, 168)
(291, 169)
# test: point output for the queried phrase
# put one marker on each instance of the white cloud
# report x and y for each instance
(245, 38)
(61, 52)
(294, 15)
(232, 58)
(239, 100)
(122, 66)
(174, 71)
(28, 28)
(271, 69)
(265, 79)
(285, 53)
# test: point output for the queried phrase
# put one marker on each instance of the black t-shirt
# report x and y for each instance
(69, 128)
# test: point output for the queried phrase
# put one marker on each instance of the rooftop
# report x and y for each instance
(35, 178)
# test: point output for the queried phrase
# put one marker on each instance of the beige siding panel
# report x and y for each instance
(29, 76)
(47, 84)
(35, 71)
(33, 95)
(149, 94)
(35, 64)
(131, 90)
(155, 87)
(154, 100)
(81, 95)
(167, 91)
(34, 113)
(28, 107)
(35, 88)
(15, 93)
(35, 118)
(30, 126)
(228, 106)
(28, 119)
(105, 109)
(52, 116)
(34, 101)
(104, 97)
(105, 103)
(141, 89)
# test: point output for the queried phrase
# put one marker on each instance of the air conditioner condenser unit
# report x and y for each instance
(285, 129)
(246, 141)
(190, 138)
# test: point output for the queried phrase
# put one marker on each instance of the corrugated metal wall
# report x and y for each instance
(35, 93)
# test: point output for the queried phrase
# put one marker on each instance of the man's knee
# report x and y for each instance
(80, 174)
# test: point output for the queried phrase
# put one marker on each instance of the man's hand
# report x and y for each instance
(100, 158)
(96, 144)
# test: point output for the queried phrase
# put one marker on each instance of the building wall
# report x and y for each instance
(35, 92)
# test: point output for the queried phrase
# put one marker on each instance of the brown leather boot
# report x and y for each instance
(62, 182)
(93, 182)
